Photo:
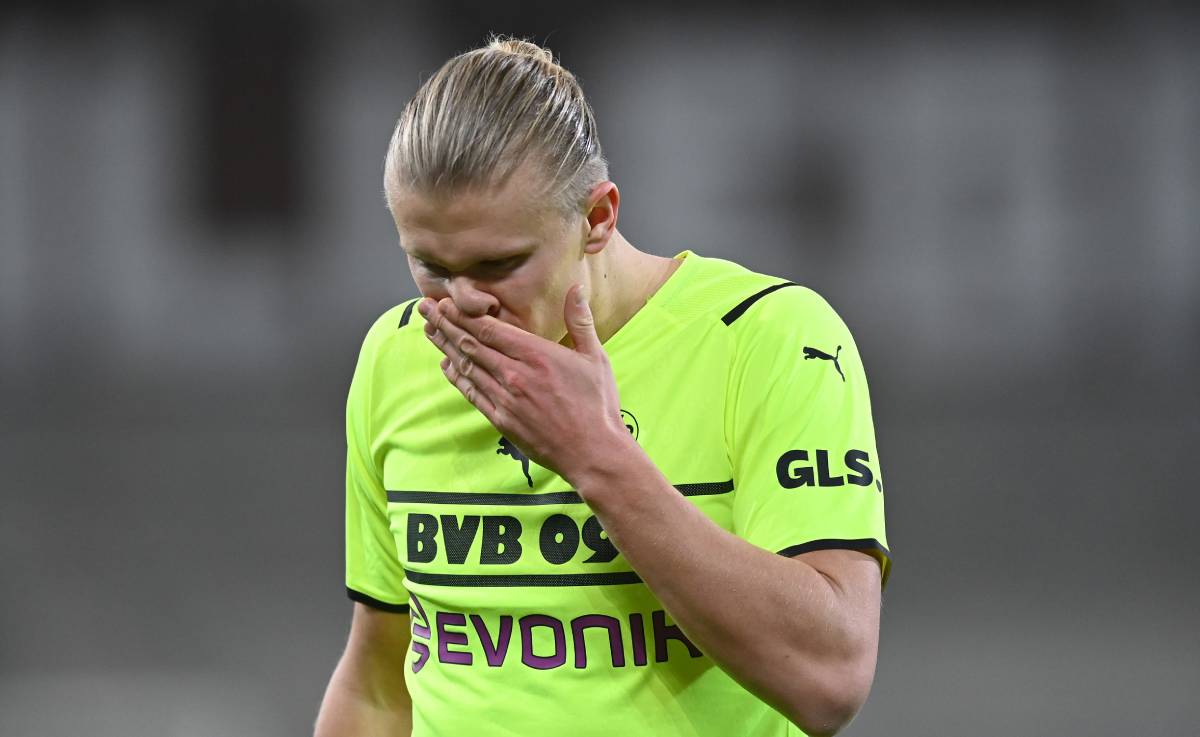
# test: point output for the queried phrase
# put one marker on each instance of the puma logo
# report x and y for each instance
(817, 353)
(512, 451)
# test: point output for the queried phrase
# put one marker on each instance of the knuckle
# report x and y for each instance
(514, 382)
(487, 331)
(536, 363)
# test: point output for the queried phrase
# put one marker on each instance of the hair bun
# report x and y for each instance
(521, 47)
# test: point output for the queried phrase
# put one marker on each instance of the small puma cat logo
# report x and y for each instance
(512, 451)
(817, 353)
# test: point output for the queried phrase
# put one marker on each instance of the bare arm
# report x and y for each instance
(801, 633)
(366, 696)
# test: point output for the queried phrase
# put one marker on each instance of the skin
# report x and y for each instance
(366, 696)
(499, 254)
(520, 301)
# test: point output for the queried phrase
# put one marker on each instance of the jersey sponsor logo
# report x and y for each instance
(811, 353)
(542, 641)
(507, 448)
(794, 469)
(559, 539)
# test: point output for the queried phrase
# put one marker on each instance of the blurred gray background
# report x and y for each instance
(1004, 204)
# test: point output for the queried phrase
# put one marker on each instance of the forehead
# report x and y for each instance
(470, 225)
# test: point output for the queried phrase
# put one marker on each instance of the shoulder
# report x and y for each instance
(755, 316)
(393, 326)
(778, 330)
(389, 345)
(784, 301)
(785, 311)
(753, 304)
(705, 291)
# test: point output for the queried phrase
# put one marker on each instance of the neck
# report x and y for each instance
(622, 280)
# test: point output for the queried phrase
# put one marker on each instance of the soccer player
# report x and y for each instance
(589, 490)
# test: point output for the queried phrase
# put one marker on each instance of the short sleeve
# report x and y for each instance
(800, 434)
(374, 575)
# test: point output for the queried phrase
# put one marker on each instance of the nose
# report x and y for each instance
(469, 298)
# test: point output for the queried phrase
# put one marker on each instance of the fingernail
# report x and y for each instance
(579, 300)
(423, 307)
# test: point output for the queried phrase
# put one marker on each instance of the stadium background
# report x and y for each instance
(1004, 204)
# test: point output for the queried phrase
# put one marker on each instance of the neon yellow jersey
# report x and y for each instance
(749, 395)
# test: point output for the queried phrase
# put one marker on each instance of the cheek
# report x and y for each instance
(519, 300)
(548, 318)
(527, 301)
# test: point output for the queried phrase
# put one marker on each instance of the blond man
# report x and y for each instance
(590, 490)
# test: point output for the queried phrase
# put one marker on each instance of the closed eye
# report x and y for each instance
(486, 269)
(502, 265)
(433, 269)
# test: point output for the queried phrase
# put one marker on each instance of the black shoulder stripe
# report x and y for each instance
(746, 303)
(374, 603)
(868, 545)
(863, 544)
(404, 318)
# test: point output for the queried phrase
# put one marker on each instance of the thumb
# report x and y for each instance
(580, 325)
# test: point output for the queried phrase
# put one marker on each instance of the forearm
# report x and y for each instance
(355, 707)
(777, 625)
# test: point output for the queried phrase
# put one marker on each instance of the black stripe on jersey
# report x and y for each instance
(866, 543)
(527, 579)
(374, 603)
(407, 314)
(529, 500)
(746, 303)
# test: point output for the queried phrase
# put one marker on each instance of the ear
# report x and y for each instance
(601, 221)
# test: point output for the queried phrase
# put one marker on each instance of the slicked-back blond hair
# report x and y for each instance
(484, 114)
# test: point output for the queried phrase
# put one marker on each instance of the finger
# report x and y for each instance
(463, 366)
(508, 340)
(461, 363)
(436, 327)
(580, 324)
(468, 387)
(459, 344)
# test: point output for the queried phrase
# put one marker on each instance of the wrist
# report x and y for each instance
(613, 465)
